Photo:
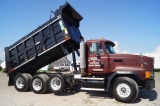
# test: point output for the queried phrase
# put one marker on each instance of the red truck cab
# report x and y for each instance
(102, 60)
(119, 70)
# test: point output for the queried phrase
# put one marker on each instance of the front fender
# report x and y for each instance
(121, 73)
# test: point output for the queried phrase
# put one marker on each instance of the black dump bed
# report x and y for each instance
(48, 43)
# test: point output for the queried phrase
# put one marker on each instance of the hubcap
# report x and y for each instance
(55, 83)
(37, 84)
(20, 82)
(123, 90)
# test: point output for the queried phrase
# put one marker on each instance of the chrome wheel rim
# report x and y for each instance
(37, 84)
(55, 83)
(123, 90)
(20, 82)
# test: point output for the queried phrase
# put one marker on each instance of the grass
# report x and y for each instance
(157, 72)
(44, 71)
(1, 71)
(41, 71)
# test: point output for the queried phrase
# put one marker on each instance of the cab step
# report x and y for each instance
(89, 78)
(93, 89)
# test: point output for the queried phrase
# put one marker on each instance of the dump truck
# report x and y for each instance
(101, 69)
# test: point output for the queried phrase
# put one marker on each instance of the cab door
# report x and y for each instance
(97, 58)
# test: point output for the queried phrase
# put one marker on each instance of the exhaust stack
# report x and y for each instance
(82, 55)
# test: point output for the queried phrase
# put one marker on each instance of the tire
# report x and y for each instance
(46, 76)
(39, 84)
(56, 84)
(30, 78)
(21, 82)
(29, 75)
(125, 89)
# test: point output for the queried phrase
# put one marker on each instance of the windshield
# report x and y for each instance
(109, 48)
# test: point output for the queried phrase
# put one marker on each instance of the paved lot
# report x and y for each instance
(10, 97)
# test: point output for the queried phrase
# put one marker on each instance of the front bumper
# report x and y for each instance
(150, 84)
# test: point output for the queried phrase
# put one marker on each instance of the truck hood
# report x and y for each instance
(148, 62)
(128, 60)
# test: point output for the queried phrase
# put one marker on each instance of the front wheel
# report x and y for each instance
(125, 89)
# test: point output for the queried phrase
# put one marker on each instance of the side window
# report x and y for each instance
(100, 49)
(96, 48)
(91, 49)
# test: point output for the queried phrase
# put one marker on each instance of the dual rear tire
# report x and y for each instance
(56, 84)
(39, 83)
(21, 82)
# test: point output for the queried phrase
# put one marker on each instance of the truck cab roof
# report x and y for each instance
(100, 40)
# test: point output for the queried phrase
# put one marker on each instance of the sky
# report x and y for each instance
(134, 25)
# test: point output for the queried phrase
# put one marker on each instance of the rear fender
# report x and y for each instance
(11, 79)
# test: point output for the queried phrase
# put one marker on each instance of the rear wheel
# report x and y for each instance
(46, 76)
(30, 78)
(125, 89)
(21, 82)
(29, 75)
(39, 84)
(56, 84)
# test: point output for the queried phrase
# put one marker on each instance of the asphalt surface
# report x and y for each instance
(10, 97)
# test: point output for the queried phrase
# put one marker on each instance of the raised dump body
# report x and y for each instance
(49, 42)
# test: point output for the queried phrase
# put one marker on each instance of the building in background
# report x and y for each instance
(3, 64)
(45, 68)
(1, 61)
(77, 65)
(156, 57)
(0, 65)
(61, 64)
